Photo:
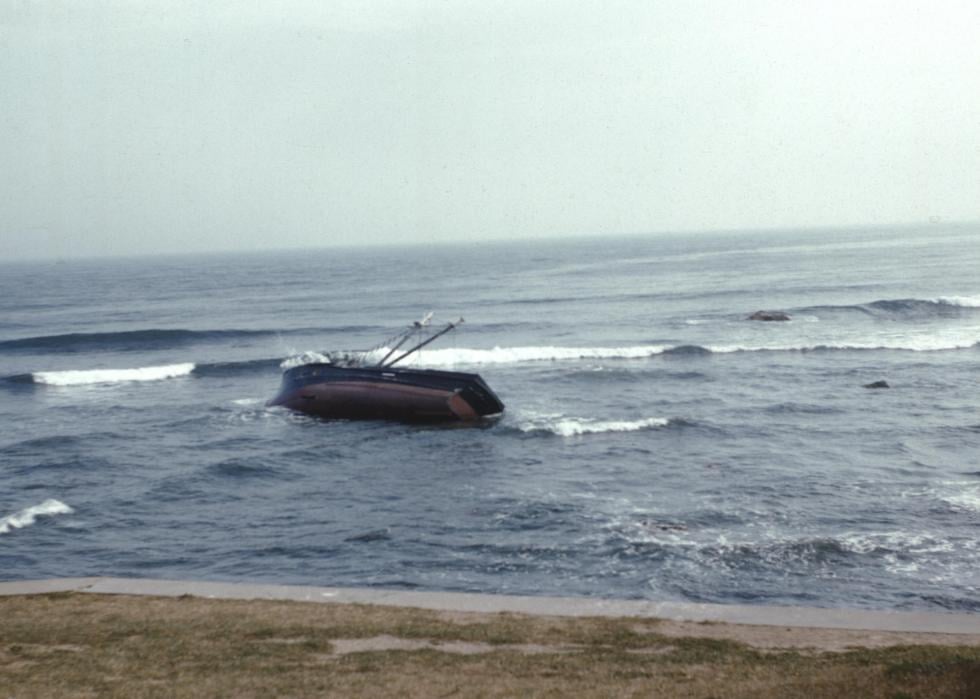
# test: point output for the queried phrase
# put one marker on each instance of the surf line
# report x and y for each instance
(107, 376)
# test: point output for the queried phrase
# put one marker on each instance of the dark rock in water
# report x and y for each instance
(769, 315)
(877, 384)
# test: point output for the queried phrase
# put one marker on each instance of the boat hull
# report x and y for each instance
(373, 393)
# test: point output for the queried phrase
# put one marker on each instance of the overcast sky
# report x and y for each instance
(138, 126)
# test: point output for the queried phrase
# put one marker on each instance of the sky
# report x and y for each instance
(160, 126)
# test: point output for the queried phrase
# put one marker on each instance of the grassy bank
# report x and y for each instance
(79, 645)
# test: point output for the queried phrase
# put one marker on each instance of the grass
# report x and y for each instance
(82, 645)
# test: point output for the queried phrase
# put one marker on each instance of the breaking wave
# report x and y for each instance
(310, 357)
(514, 355)
(963, 497)
(103, 376)
(501, 355)
(963, 301)
(518, 355)
(27, 516)
(448, 358)
(574, 427)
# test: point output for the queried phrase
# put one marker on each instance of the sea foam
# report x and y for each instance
(27, 516)
(573, 427)
(963, 301)
(101, 376)
(498, 355)
(519, 355)
(964, 497)
(309, 357)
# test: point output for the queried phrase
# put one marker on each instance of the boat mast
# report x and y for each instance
(419, 346)
(401, 342)
(403, 337)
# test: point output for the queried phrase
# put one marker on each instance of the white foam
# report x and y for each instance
(963, 301)
(509, 355)
(573, 427)
(97, 376)
(247, 401)
(906, 542)
(962, 339)
(309, 357)
(967, 498)
(26, 517)
(496, 355)
(909, 343)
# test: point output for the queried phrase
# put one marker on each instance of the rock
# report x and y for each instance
(769, 315)
(877, 384)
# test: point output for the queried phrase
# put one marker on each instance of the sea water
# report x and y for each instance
(656, 443)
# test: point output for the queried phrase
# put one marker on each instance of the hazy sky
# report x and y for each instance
(130, 126)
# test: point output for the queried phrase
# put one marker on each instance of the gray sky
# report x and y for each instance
(137, 126)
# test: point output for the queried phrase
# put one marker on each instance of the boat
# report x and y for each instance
(350, 386)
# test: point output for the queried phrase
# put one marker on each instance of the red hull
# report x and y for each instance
(359, 400)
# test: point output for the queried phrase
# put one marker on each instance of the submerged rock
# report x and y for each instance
(769, 315)
(877, 384)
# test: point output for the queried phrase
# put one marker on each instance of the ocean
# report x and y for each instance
(656, 443)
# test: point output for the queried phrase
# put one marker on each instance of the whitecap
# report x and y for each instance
(245, 402)
(906, 542)
(102, 376)
(27, 516)
(574, 427)
(495, 355)
(309, 357)
(962, 301)
(966, 499)
(515, 355)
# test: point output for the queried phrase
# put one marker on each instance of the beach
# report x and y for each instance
(116, 637)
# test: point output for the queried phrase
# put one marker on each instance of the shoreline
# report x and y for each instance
(790, 617)
(112, 637)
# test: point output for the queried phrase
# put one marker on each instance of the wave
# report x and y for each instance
(963, 497)
(81, 377)
(27, 516)
(125, 340)
(687, 351)
(502, 355)
(104, 376)
(516, 355)
(573, 427)
(919, 343)
(495, 356)
(235, 368)
(942, 306)
(309, 357)
(962, 301)
(151, 338)
(605, 373)
(519, 355)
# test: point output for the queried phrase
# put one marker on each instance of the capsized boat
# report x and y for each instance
(350, 387)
